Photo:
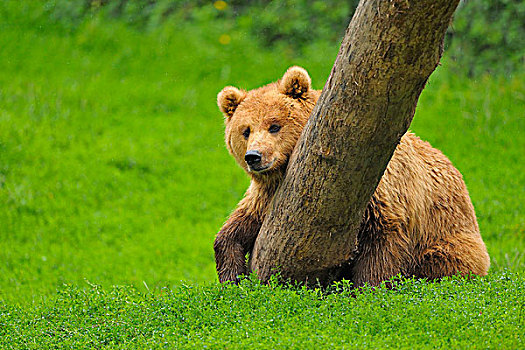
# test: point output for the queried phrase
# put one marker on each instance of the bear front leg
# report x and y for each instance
(235, 239)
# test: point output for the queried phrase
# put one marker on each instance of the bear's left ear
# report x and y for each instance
(295, 82)
(228, 99)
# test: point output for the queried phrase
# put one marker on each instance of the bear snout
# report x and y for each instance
(252, 157)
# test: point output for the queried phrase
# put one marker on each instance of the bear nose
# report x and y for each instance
(252, 157)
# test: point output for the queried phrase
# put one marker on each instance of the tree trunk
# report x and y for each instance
(389, 50)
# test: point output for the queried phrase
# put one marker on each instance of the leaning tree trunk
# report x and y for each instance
(389, 51)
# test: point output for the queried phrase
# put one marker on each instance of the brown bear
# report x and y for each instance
(419, 222)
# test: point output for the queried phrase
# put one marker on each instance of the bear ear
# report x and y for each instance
(228, 99)
(295, 82)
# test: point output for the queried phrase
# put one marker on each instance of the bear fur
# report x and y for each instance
(419, 222)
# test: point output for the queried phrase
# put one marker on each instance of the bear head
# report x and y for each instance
(264, 124)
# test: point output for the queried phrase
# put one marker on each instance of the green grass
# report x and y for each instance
(113, 171)
(456, 313)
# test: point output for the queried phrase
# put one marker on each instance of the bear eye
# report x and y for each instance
(246, 133)
(274, 128)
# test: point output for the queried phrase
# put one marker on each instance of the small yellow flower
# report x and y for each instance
(220, 5)
(225, 39)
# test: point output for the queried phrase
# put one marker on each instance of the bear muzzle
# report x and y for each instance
(254, 160)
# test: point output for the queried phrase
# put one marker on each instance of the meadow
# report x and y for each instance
(114, 180)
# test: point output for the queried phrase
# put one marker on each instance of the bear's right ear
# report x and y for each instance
(228, 99)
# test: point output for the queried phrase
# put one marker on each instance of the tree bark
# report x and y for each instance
(389, 50)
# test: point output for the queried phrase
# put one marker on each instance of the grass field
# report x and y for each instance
(455, 314)
(113, 172)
